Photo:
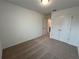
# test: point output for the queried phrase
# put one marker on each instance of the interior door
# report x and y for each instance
(56, 27)
(74, 36)
(65, 27)
(61, 27)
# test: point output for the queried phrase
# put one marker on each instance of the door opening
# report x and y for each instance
(49, 25)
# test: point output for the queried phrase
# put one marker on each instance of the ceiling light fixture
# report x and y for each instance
(44, 2)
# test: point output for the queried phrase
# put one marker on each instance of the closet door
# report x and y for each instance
(55, 27)
(65, 28)
(74, 37)
(61, 27)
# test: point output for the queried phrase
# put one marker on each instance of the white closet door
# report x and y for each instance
(56, 25)
(61, 27)
(74, 37)
(65, 28)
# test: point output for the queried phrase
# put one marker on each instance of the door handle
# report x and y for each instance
(59, 30)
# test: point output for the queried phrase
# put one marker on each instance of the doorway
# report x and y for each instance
(49, 24)
(46, 25)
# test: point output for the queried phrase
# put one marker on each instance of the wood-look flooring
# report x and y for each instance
(41, 48)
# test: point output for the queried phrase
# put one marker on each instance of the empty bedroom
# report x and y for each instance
(39, 29)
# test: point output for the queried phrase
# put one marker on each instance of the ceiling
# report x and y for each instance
(53, 4)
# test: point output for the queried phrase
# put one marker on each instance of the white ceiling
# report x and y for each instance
(53, 4)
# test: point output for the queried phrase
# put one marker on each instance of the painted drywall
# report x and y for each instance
(72, 13)
(18, 24)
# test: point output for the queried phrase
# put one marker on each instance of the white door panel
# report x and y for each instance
(56, 34)
(55, 28)
(74, 36)
(61, 27)
(65, 28)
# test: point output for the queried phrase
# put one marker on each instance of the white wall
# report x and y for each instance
(18, 24)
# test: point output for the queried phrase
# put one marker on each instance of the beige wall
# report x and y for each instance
(45, 25)
(18, 24)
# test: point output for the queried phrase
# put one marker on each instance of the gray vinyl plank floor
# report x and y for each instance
(41, 48)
